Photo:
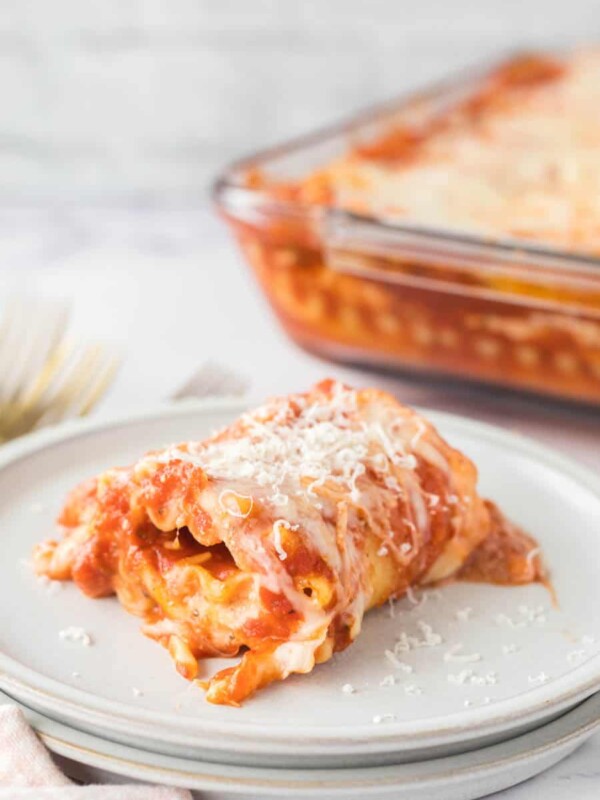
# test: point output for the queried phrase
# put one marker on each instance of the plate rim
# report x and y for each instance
(564, 733)
(479, 721)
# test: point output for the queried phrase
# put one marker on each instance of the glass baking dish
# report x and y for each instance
(357, 288)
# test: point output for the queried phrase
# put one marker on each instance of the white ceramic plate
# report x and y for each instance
(461, 777)
(536, 661)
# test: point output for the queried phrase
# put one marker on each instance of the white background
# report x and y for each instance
(111, 99)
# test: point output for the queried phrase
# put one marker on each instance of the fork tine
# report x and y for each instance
(100, 386)
(75, 381)
(48, 371)
(43, 378)
(33, 330)
(21, 412)
(13, 329)
(55, 403)
(46, 338)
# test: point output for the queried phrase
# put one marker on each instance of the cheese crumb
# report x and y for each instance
(454, 655)
(76, 635)
(389, 680)
(378, 718)
(412, 690)
(347, 688)
(484, 680)
(395, 662)
(461, 677)
(467, 676)
(535, 614)
(539, 679)
(430, 638)
(137, 692)
(504, 619)
(509, 649)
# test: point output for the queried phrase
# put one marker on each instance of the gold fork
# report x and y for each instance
(45, 379)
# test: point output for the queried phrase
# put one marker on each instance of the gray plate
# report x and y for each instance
(461, 777)
(535, 660)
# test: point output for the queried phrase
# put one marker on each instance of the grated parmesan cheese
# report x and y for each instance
(539, 679)
(534, 615)
(461, 678)
(296, 447)
(395, 662)
(379, 718)
(430, 638)
(454, 655)
(75, 635)
(467, 676)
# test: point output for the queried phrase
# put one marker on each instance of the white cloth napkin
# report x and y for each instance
(28, 773)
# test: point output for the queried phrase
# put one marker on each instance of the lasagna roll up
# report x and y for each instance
(272, 538)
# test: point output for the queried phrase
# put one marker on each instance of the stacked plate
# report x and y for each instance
(488, 685)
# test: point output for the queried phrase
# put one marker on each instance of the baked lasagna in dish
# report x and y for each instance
(271, 539)
(519, 157)
(457, 233)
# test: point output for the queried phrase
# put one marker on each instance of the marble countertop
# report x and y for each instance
(167, 288)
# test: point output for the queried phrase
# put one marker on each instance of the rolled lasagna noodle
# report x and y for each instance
(275, 536)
